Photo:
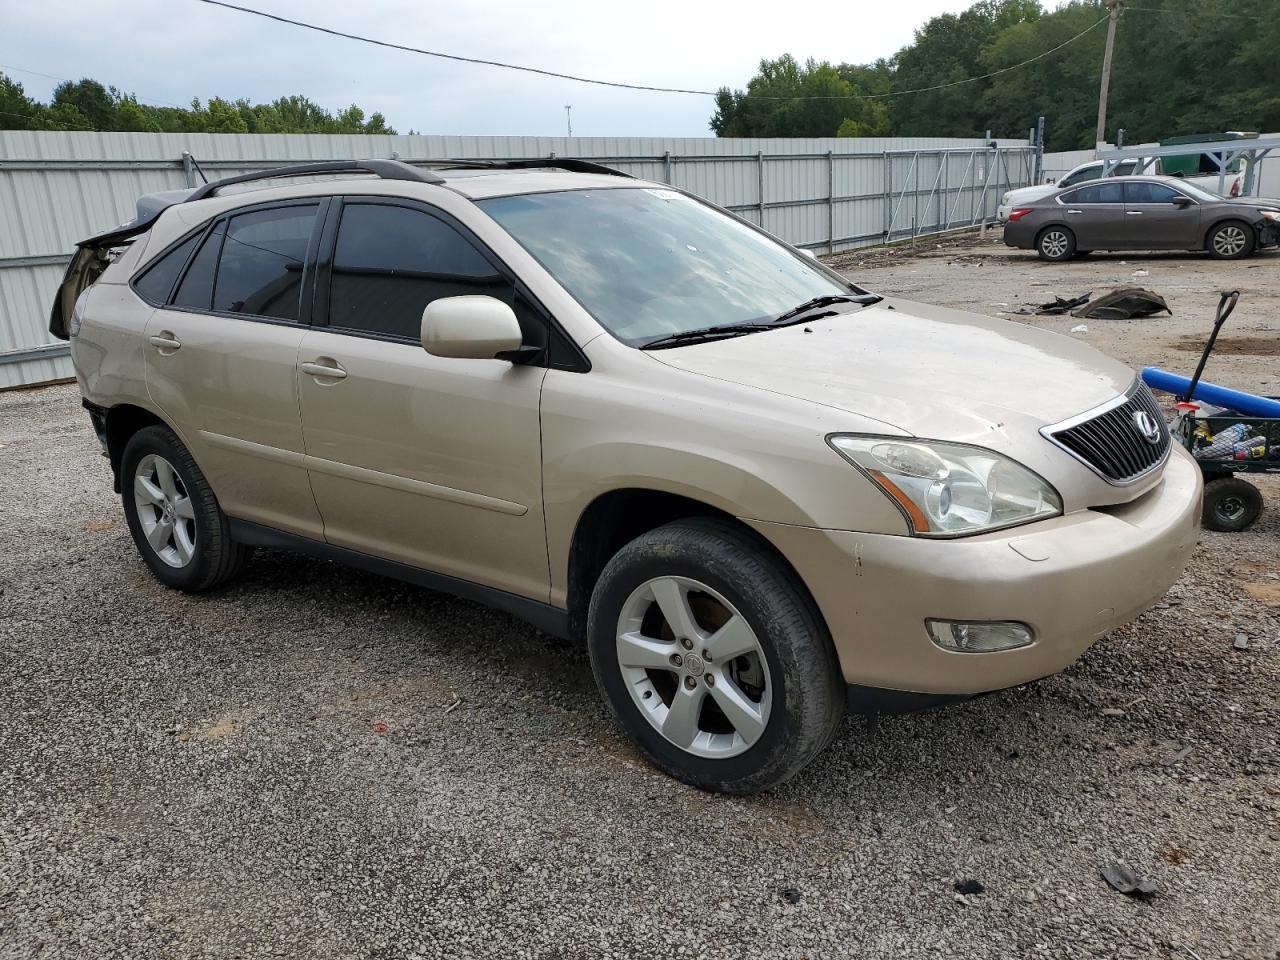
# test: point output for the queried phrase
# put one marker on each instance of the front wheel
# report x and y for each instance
(712, 657)
(1231, 504)
(1056, 243)
(1231, 240)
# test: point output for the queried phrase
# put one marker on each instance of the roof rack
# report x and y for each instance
(386, 169)
(405, 170)
(534, 163)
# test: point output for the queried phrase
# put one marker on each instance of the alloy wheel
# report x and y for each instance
(1229, 241)
(1054, 244)
(165, 510)
(694, 667)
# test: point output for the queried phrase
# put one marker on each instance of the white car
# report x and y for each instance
(1093, 171)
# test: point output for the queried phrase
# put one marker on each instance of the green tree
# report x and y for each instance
(88, 105)
(90, 100)
(947, 49)
(788, 99)
(17, 110)
(1063, 87)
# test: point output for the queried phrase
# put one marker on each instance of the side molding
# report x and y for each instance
(543, 616)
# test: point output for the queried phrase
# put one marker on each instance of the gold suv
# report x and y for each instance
(757, 491)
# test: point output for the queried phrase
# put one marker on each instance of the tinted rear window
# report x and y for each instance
(157, 282)
(1096, 193)
(1136, 192)
(260, 271)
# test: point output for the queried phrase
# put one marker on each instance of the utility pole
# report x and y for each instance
(1114, 6)
(568, 117)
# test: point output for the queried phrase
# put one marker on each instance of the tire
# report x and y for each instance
(160, 484)
(785, 692)
(1230, 505)
(1232, 240)
(1056, 243)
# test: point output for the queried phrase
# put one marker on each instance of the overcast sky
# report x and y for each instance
(173, 50)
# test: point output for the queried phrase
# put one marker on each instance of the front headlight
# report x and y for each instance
(950, 489)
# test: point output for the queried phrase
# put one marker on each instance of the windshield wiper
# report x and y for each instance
(725, 330)
(866, 299)
(704, 334)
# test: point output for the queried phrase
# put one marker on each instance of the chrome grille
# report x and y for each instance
(1111, 443)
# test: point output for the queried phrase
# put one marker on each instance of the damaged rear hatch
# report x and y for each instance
(92, 257)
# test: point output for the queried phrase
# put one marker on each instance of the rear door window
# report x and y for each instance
(391, 261)
(1096, 193)
(1137, 192)
(156, 282)
(262, 262)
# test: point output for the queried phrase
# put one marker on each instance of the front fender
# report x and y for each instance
(765, 462)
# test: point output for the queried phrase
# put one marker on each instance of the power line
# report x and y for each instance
(628, 86)
(50, 76)
(56, 123)
(993, 73)
(449, 56)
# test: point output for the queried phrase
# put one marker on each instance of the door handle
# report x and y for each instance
(1075, 211)
(323, 368)
(1133, 213)
(165, 342)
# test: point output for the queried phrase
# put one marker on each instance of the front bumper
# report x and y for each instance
(1072, 579)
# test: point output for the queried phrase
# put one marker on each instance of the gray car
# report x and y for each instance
(1143, 213)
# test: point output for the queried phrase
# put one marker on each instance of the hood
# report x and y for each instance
(1265, 203)
(934, 372)
(1029, 194)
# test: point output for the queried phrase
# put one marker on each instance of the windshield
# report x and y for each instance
(648, 263)
(1200, 193)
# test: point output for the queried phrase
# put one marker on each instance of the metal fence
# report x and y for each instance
(825, 194)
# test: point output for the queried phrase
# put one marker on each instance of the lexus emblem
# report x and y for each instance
(1147, 426)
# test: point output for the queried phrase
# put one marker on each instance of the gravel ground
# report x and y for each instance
(317, 762)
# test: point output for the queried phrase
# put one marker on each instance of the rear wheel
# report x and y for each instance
(177, 525)
(1056, 243)
(711, 655)
(1231, 504)
(1232, 240)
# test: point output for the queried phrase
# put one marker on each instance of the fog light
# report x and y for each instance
(979, 637)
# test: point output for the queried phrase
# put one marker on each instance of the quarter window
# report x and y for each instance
(157, 282)
(260, 270)
(196, 289)
(391, 261)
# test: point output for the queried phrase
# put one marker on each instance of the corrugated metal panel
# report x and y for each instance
(1057, 164)
(58, 187)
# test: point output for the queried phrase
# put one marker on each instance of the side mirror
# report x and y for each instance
(1181, 202)
(471, 328)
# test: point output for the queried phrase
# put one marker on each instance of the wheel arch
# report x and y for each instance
(121, 422)
(615, 518)
(1225, 218)
(1060, 224)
